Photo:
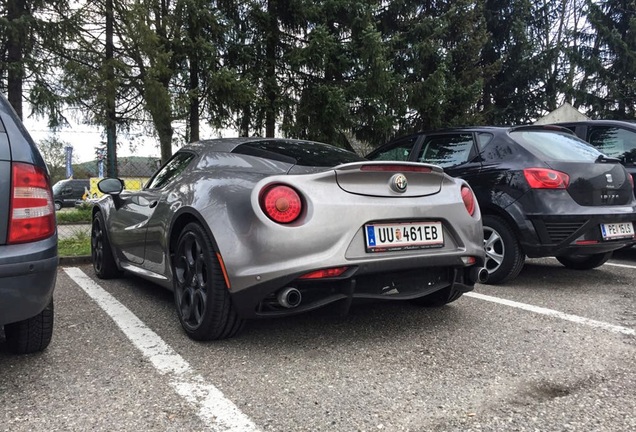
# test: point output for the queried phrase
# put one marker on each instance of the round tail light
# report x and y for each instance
(281, 203)
(469, 200)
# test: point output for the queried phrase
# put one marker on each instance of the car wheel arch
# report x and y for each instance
(98, 209)
(506, 216)
(182, 218)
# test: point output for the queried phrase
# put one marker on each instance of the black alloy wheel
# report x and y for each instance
(201, 296)
(102, 255)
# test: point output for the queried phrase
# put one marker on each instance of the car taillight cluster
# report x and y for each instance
(543, 178)
(281, 203)
(32, 212)
(469, 200)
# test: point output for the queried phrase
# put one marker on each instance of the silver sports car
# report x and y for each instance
(247, 228)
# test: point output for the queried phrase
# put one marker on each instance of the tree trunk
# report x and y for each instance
(111, 97)
(193, 94)
(161, 113)
(194, 99)
(16, 36)
(270, 82)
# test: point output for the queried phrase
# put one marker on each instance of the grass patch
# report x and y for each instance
(74, 216)
(78, 245)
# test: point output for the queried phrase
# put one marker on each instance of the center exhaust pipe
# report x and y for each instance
(289, 297)
(478, 274)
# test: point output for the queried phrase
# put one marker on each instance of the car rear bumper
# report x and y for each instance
(27, 279)
(262, 301)
(566, 235)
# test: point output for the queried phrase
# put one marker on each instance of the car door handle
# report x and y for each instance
(153, 204)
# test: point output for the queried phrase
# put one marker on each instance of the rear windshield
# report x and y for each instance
(548, 145)
(304, 153)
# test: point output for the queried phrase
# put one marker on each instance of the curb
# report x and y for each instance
(75, 260)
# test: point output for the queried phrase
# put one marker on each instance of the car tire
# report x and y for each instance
(504, 256)
(439, 298)
(58, 206)
(31, 335)
(202, 299)
(104, 263)
(584, 262)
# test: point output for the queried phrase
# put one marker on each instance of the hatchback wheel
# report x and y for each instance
(58, 206)
(31, 335)
(201, 296)
(504, 257)
(584, 262)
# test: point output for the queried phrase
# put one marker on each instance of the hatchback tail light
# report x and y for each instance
(32, 212)
(543, 178)
(281, 203)
(469, 200)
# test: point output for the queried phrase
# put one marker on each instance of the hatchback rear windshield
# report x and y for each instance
(556, 146)
(304, 153)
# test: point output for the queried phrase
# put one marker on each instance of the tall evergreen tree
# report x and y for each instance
(435, 49)
(341, 77)
(31, 35)
(509, 95)
(608, 60)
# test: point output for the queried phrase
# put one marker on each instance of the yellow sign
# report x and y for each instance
(130, 183)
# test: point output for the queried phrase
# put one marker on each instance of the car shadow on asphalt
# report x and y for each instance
(366, 319)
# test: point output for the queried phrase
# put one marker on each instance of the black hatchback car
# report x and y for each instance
(542, 192)
(28, 239)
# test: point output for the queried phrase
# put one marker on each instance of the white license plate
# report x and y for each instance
(400, 236)
(617, 230)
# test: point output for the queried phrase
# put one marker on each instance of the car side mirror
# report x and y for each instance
(111, 186)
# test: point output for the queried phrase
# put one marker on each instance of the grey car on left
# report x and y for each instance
(28, 238)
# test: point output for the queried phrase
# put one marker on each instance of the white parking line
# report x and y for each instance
(216, 411)
(620, 265)
(553, 313)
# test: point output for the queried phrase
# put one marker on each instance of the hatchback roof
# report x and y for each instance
(547, 127)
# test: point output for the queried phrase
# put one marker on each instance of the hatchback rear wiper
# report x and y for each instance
(603, 158)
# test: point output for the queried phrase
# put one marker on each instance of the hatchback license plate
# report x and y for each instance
(617, 230)
(400, 236)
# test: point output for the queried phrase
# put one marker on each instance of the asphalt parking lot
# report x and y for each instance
(552, 351)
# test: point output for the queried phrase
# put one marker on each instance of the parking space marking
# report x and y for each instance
(553, 313)
(216, 411)
(620, 265)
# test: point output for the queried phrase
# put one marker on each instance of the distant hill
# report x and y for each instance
(128, 166)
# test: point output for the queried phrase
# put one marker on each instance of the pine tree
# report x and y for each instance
(510, 94)
(608, 60)
(435, 49)
(31, 34)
